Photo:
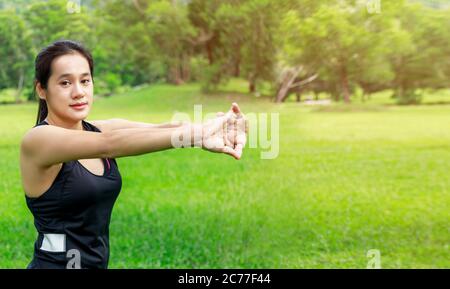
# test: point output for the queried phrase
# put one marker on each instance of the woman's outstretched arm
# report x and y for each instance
(120, 123)
(142, 140)
(48, 145)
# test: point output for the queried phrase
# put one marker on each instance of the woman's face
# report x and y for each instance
(69, 85)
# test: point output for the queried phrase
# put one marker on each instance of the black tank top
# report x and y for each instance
(72, 217)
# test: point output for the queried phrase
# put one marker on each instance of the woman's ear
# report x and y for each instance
(41, 91)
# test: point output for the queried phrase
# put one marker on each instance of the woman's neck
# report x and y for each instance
(53, 120)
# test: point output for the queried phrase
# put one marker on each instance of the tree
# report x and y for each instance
(15, 51)
(169, 27)
(202, 15)
(340, 42)
(64, 25)
(241, 41)
(259, 47)
(422, 60)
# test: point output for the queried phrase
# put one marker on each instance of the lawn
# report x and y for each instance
(346, 180)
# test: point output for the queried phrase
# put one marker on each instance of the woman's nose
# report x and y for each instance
(77, 91)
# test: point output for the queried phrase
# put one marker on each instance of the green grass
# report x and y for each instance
(345, 181)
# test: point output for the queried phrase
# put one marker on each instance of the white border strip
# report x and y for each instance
(54, 243)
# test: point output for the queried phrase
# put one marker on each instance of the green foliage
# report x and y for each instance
(212, 76)
(107, 84)
(407, 97)
(50, 21)
(15, 50)
(405, 47)
(423, 58)
(198, 65)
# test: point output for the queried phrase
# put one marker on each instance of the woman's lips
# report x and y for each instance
(79, 106)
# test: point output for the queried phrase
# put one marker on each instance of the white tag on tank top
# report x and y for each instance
(54, 243)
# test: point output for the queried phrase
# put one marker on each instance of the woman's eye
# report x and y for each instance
(64, 83)
(86, 81)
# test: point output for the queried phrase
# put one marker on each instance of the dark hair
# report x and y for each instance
(43, 63)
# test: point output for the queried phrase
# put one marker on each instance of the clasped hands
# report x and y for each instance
(226, 133)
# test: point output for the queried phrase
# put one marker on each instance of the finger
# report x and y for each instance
(235, 108)
(232, 129)
(235, 132)
(238, 150)
(246, 126)
(241, 131)
(230, 116)
(228, 125)
(228, 150)
(241, 140)
(225, 134)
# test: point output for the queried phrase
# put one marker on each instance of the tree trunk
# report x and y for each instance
(286, 83)
(251, 84)
(299, 95)
(185, 68)
(344, 85)
(209, 53)
(175, 76)
(237, 67)
(336, 94)
(19, 86)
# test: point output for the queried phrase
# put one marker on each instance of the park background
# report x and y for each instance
(363, 96)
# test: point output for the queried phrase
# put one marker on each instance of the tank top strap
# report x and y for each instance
(89, 127)
(43, 122)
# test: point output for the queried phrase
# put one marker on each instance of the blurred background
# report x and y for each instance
(363, 93)
(335, 49)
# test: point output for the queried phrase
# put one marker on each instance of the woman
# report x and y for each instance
(69, 173)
